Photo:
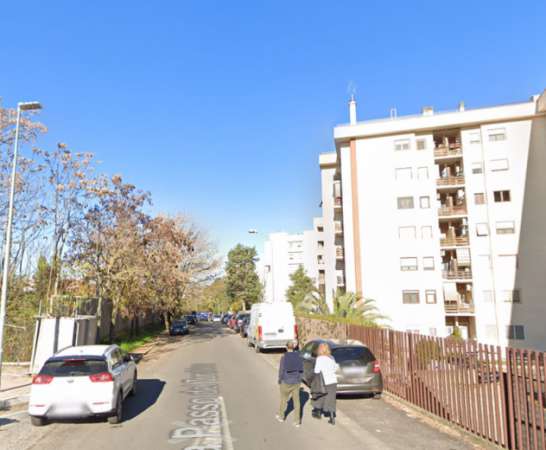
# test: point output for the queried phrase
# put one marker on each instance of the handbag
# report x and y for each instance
(317, 384)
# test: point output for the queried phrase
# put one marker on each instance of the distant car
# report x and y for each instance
(216, 318)
(203, 316)
(226, 318)
(243, 327)
(179, 327)
(359, 371)
(241, 317)
(84, 381)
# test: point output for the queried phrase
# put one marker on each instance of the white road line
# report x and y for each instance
(226, 435)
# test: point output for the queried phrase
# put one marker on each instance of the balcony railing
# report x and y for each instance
(338, 202)
(460, 307)
(457, 180)
(444, 211)
(451, 150)
(460, 241)
(340, 281)
(339, 252)
(457, 274)
(338, 228)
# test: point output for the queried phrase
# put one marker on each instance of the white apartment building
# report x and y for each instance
(283, 254)
(331, 271)
(444, 219)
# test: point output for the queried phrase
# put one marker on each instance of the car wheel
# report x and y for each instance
(37, 421)
(134, 386)
(118, 414)
(377, 396)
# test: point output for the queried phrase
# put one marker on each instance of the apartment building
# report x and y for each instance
(443, 219)
(331, 271)
(284, 253)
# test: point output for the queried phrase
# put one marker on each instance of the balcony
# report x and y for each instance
(457, 180)
(339, 252)
(460, 241)
(340, 281)
(338, 228)
(457, 274)
(447, 211)
(443, 151)
(459, 307)
(338, 202)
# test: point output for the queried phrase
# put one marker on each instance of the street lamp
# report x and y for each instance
(22, 106)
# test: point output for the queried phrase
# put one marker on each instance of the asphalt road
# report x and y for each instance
(210, 391)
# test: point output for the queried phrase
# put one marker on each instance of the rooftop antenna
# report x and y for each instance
(351, 90)
(394, 113)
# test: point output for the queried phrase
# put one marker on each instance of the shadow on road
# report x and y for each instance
(304, 398)
(148, 391)
(7, 421)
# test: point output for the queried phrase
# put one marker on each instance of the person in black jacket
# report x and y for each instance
(290, 373)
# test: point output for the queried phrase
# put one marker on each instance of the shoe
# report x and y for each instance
(279, 418)
(332, 419)
(297, 424)
(316, 413)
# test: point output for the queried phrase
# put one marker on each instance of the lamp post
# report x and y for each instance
(25, 106)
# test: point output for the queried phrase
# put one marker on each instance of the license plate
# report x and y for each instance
(271, 334)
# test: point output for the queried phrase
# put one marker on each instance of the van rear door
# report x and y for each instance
(278, 323)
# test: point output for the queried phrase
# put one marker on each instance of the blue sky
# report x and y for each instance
(220, 109)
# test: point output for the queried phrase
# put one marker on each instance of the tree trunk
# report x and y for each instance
(167, 321)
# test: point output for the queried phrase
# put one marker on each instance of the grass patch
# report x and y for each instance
(145, 336)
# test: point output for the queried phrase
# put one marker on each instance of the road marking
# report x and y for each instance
(225, 425)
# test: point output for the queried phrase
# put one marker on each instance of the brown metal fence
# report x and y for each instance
(499, 395)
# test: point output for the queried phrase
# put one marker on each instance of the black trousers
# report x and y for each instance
(326, 402)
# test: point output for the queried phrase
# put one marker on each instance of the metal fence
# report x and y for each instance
(496, 394)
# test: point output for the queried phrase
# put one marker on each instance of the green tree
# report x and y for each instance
(242, 283)
(41, 279)
(301, 287)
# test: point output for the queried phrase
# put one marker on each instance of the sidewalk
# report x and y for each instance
(15, 386)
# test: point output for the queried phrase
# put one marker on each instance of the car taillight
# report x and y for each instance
(102, 377)
(376, 367)
(295, 331)
(259, 332)
(42, 379)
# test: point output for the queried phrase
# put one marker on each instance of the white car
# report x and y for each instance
(84, 381)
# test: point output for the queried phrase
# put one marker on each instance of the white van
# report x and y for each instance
(271, 325)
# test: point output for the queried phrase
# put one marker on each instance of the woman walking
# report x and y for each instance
(326, 366)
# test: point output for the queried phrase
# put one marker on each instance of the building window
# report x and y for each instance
(516, 332)
(402, 144)
(428, 263)
(506, 227)
(424, 202)
(497, 165)
(477, 167)
(511, 296)
(421, 144)
(488, 296)
(479, 198)
(410, 297)
(320, 259)
(406, 233)
(405, 202)
(426, 232)
(422, 173)
(403, 173)
(408, 264)
(320, 229)
(498, 134)
(430, 296)
(320, 244)
(501, 196)
(482, 229)
(475, 137)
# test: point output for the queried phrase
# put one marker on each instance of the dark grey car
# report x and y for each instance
(359, 371)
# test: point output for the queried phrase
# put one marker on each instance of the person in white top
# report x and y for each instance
(327, 366)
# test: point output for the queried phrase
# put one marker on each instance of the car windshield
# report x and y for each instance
(343, 354)
(74, 367)
(179, 323)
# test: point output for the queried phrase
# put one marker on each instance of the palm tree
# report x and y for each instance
(354, 308)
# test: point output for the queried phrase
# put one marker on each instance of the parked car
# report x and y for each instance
(225, 318)
(243, 327)
(239, 322)
(179, 326)
(271, 325)
(359, 371)
(84, 381)
(216, 318)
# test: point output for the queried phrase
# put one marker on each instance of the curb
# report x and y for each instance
(7, 404)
